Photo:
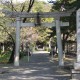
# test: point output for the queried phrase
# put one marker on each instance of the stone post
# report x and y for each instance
(59, 43)
(17, 45)
(76, 70)
(77, 64)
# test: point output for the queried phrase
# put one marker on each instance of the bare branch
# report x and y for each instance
(30, 5)
(23, 7)
(29, 8)
(12, 6)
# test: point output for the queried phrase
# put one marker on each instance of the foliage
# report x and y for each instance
(33, 34)
(4, 57)
(9, 5)
(39, 32)
(68, 32)
(67, 4)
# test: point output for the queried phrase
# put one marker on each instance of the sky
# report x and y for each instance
(46, 0)
(21, 1)
(39, 0)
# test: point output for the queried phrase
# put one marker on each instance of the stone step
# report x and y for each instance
(74, 79)
(77, 65)
(75, 74)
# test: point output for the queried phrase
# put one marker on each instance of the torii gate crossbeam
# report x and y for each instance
(14, 14)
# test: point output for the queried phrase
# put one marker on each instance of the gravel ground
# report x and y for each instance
(39, 67)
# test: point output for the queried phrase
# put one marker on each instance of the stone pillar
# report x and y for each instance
(76, 70)
(17, 45)
(59, 43)
(77, 64)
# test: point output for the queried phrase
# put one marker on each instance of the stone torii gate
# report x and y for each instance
(57, 23)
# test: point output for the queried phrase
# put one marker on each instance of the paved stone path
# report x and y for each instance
(40, 67)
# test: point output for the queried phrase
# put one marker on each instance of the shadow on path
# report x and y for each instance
(40, 67)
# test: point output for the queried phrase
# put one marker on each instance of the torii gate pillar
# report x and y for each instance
(17, 45)
(59, 42)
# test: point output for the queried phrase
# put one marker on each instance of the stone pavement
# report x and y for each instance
(40, 67)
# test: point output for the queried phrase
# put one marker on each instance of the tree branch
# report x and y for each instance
(29, 8)
(23, 8)
(30, 5)
(12, 6)
(8, 33)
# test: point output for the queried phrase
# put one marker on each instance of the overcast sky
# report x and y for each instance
(39, 0)
(21, 1)
(46, 0)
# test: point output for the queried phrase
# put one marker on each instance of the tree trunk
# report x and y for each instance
(11, 59)
(29, 8)
(63, 41)
(65, 37)
(0, 48)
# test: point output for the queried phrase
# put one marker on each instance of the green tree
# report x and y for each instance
(65, 5)
(39, 32)
(9, 5)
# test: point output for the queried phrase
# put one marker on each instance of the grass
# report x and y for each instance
(4, 57)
